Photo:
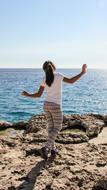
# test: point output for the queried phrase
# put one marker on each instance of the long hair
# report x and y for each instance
(49, 68)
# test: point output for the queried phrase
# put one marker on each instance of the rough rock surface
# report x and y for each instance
(81, 166)
(75, 128)
(16, 125)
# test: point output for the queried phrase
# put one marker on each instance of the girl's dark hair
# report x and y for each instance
(48, 68)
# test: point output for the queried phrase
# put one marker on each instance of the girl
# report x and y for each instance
(52, 82)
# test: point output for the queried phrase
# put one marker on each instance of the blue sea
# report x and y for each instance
(88, 95)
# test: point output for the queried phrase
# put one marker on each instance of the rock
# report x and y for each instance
(71, 138)
(100, 185)
(101, 162)
(20, 125)
(36, 123)
(74, 122)
(11, 188)
(5, 125)
(77, 165)
(75, 128)
(2, 151)
(16, 125)
(9, 142)
(105, 119)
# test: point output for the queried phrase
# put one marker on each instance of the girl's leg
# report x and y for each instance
(49, 142)
(45, 149)
(57, 120)
(54, 119)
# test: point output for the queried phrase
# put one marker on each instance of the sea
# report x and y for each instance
(87, 95)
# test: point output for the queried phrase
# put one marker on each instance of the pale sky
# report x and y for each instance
(68, 32)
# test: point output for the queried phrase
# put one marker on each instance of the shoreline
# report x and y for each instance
(88, 124)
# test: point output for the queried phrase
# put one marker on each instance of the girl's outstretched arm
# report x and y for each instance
(77, 77)
(35, 95)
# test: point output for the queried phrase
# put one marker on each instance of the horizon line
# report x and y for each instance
(56, 68)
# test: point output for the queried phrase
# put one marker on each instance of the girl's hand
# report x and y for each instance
(84, 68)
(24, 93)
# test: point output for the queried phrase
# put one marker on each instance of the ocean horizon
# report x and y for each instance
(88, 95)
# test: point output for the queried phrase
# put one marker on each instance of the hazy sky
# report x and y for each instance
(68, 32)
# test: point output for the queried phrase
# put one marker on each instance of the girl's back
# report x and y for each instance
(54, 92)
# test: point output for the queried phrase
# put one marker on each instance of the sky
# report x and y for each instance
(67, 32)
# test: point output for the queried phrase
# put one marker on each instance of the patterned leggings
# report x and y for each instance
(54, 118)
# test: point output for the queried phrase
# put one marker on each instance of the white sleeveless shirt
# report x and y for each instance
(54, 92)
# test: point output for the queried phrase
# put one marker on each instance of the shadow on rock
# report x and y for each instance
(31, 177)
(36, 152)
(100, 185)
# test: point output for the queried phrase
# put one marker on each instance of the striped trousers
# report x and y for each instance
(54, 119)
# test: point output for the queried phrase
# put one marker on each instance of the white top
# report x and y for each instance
(54, 92)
